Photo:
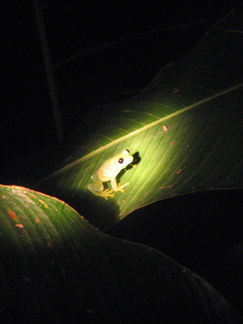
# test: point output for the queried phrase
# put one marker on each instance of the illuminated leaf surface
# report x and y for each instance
(57, 268)
(185, 129)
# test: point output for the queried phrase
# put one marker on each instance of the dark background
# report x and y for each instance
(96, 76)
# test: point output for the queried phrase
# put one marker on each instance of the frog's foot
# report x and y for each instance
(122, 186)
(106, 194)
(103, 193)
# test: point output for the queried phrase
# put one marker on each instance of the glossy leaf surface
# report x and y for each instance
(184, 131)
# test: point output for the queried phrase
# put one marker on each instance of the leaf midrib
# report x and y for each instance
(148, 126)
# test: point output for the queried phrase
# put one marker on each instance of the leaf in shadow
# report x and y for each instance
(229, 266)
(57, 268)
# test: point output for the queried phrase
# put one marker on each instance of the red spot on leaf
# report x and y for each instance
(165, 128)
(12, 214)
(179, 171)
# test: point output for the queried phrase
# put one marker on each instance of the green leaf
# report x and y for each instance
(57, 268)
(184, 130)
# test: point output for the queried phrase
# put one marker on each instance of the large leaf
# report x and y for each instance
(184, 130)
(57, 268)
(229, 266)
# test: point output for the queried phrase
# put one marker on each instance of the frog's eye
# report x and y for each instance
(121, 160)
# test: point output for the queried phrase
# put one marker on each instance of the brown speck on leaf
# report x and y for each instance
(175, 90)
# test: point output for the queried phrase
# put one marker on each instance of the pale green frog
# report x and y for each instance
(108, 171)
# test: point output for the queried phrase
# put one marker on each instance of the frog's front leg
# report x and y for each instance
(97, 188)
(117, 187)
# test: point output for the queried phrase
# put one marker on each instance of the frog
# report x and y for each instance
(108, 171)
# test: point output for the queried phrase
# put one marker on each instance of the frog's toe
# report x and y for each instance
(108, 193)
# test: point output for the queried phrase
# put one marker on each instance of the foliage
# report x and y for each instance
(57, 268)
(184, 131)
(185, 134)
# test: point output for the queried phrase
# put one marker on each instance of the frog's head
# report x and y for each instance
(124, 158)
